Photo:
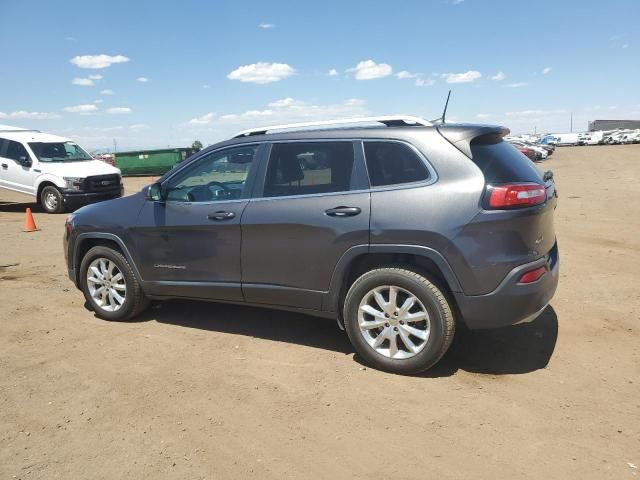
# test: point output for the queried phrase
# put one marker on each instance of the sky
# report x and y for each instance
(142, 74)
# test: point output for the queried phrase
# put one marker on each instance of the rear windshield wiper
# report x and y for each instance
(548, 175)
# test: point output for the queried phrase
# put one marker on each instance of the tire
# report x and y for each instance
(51, 200)
(439, 327)
(134, 302)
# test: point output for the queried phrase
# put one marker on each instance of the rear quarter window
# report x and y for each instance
(501, 162)
(393, 163)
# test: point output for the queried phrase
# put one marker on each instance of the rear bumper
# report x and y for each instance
(73, 199)
(512, 302)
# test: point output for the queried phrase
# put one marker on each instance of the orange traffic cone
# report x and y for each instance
(29, 222)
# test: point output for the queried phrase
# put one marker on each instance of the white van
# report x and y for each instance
(55, 170)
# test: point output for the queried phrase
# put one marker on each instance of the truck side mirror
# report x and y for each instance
(24, 161)
(154, 192)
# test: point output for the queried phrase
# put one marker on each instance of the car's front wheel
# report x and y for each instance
(398, 320)
(51, 200)
(110, 285)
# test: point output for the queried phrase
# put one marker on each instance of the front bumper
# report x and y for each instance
(512, 302)
(73, 199)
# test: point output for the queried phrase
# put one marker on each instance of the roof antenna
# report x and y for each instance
(441, 120)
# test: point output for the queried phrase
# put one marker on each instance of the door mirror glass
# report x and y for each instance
(24, 161)
(154, 192)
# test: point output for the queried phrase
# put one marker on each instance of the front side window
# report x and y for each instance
(59, 152)
(393, 163)
(218, 176)
(16, 151)
(305, 168)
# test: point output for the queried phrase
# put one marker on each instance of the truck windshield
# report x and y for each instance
(59, 152)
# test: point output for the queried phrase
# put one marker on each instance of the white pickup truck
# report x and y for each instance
(55, 170)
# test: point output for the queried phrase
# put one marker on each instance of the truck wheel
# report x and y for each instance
(110, 286)
(51, 200)
(398, 321)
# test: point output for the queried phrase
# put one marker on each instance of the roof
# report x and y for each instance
(31, 136)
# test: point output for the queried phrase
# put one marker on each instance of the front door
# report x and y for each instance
(189, 244)
(314, 207)
(16, 175)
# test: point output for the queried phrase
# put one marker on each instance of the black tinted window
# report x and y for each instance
(391, 163)
(501, 162)
(310, 167)
(15, 150)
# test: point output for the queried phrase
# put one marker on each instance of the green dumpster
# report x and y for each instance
(150, 162)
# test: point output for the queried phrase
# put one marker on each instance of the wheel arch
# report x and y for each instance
(41, 186)
(87, 241)
(360, 259)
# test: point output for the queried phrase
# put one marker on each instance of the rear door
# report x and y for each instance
(313, 206)
(189, 244)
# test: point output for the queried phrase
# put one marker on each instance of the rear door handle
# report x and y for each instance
(4, 165)
(343, 211)
(220, 216)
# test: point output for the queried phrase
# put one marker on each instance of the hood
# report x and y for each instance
(82, 169)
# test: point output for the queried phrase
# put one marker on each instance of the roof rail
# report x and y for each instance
(19, 130)
(389, 121)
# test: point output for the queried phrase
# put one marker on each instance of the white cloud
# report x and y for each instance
(333, 72)
(85, 108)
(369, 70)
(106, 91)
(205, 119)
(138, 126)
(404, 74)
(546, 70)
(98, 101)
(625, 45)
(285, 102)
(262, 72)
(97, 61)
(466, 77)
(516, 85)
(498, 76)
(424, 82)
(266, 26)
(95, 77)
(118, 110)
(206, 86)
(533, 113)
(83, 82)
(297, 112)
(21, 114)
(142, 79)
(483, 116)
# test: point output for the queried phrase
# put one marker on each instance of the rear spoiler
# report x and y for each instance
(461, 135)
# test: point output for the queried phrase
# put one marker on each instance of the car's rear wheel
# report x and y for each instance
(51, 200)
(398, 320)
(110, 285)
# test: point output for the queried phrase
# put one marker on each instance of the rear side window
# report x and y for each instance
(392, 163)
(501, 162)
(308, 168)
(15, 150)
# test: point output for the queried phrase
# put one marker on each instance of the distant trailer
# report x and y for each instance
(151, 162)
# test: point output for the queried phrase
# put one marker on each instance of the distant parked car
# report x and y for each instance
(533, 154)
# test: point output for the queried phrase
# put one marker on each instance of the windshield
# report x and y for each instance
(59, 152)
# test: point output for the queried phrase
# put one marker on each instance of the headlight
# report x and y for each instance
(74, 183)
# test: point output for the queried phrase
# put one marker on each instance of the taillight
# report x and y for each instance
(516, 195)
(532, 275)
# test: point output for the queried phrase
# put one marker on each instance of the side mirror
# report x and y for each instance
(24, 161)
(154, 192)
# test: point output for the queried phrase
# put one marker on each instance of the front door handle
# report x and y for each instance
(4, 165)
(220, 216)
(343, 211)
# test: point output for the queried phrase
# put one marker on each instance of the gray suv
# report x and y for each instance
(400, 230)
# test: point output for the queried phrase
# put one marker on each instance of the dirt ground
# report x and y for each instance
(199, 390)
